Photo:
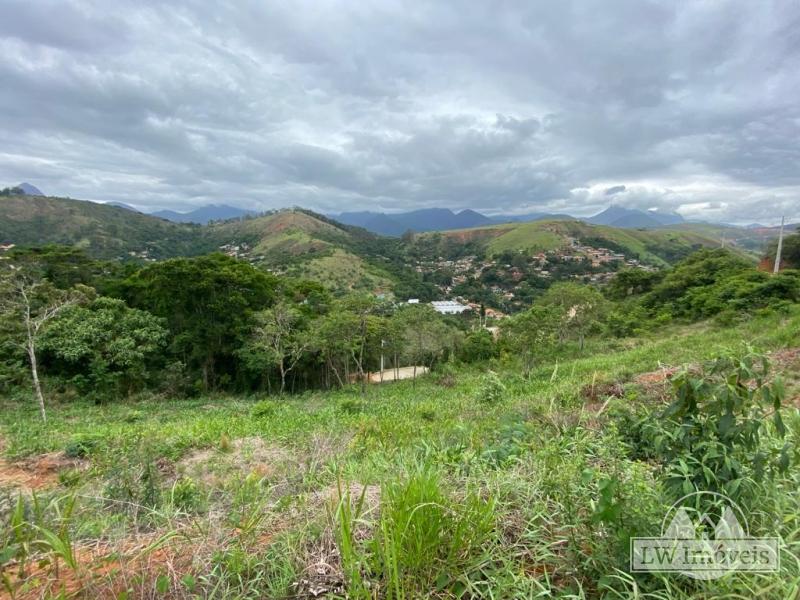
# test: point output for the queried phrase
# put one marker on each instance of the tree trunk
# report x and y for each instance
(283, 376)
(361, 356)
(336, 372)
(35, 376)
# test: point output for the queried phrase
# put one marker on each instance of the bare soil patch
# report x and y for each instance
(36, 473)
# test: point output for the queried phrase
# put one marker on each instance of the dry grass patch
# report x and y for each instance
(245, 456)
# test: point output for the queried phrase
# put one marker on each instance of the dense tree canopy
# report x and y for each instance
(208, 304)
(104, 347)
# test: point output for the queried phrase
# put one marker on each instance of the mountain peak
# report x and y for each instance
(30, 190)
(204, 214)
(619, 216)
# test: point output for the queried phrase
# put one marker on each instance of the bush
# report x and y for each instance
(491, 390)
(263, 409)
(352, 406)
(478, 345)
(186, 495)
(134, 481)
(80, 446)
(722, 432)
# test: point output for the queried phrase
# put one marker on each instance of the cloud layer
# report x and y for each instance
(497, 106)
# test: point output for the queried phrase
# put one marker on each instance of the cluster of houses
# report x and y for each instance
(601, 263)
(240, 250)
(142, 255)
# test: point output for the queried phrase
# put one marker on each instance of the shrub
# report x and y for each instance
(186, 495)
(722, 432)
(134, 481)
(263, 409)
(351, 406)
(80, 446)
(491, 390)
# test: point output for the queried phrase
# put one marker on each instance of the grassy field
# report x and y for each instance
(465, 483)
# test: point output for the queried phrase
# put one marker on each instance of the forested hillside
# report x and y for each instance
(104, 231)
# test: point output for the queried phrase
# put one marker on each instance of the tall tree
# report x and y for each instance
(426, 337)
(532, 334)
(208, 304)
(279, 339)
(105, 345)
(29, 304)
(362, 307)
(580, 306)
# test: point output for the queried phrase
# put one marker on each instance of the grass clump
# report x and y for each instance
(424, 539)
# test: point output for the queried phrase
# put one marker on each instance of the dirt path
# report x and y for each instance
(396, 374)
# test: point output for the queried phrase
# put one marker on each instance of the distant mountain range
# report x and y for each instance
(204, 214)
(430, 219)
(442, 219)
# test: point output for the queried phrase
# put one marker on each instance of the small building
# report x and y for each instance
(413, 301)
(449, 307)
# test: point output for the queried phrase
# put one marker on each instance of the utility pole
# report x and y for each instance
(780, 248)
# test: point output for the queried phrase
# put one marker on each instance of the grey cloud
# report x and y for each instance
(615, 189)
(509, 106)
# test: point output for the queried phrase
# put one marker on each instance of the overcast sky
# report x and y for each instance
(499, 106)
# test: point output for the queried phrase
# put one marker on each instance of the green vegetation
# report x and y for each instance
(790, 253)
(103, 231)
(199, 427)
(470, 488)
(655, 246)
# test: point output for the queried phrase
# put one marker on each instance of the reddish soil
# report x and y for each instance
(655, 377)
(35, 473)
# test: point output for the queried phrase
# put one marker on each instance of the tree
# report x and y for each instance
(30, 305)
(426, 337)
(278, 339)
(580, 308)
(105, 344)
(362, 309)
(63, 266)
(478, 345)
(336, 335)
(702, 269)
(532, 334)
(208, 304)
(632, 282)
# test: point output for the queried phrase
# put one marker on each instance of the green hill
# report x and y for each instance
(103, 231)
(305, 244)
(302, 243)
(655, 246)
